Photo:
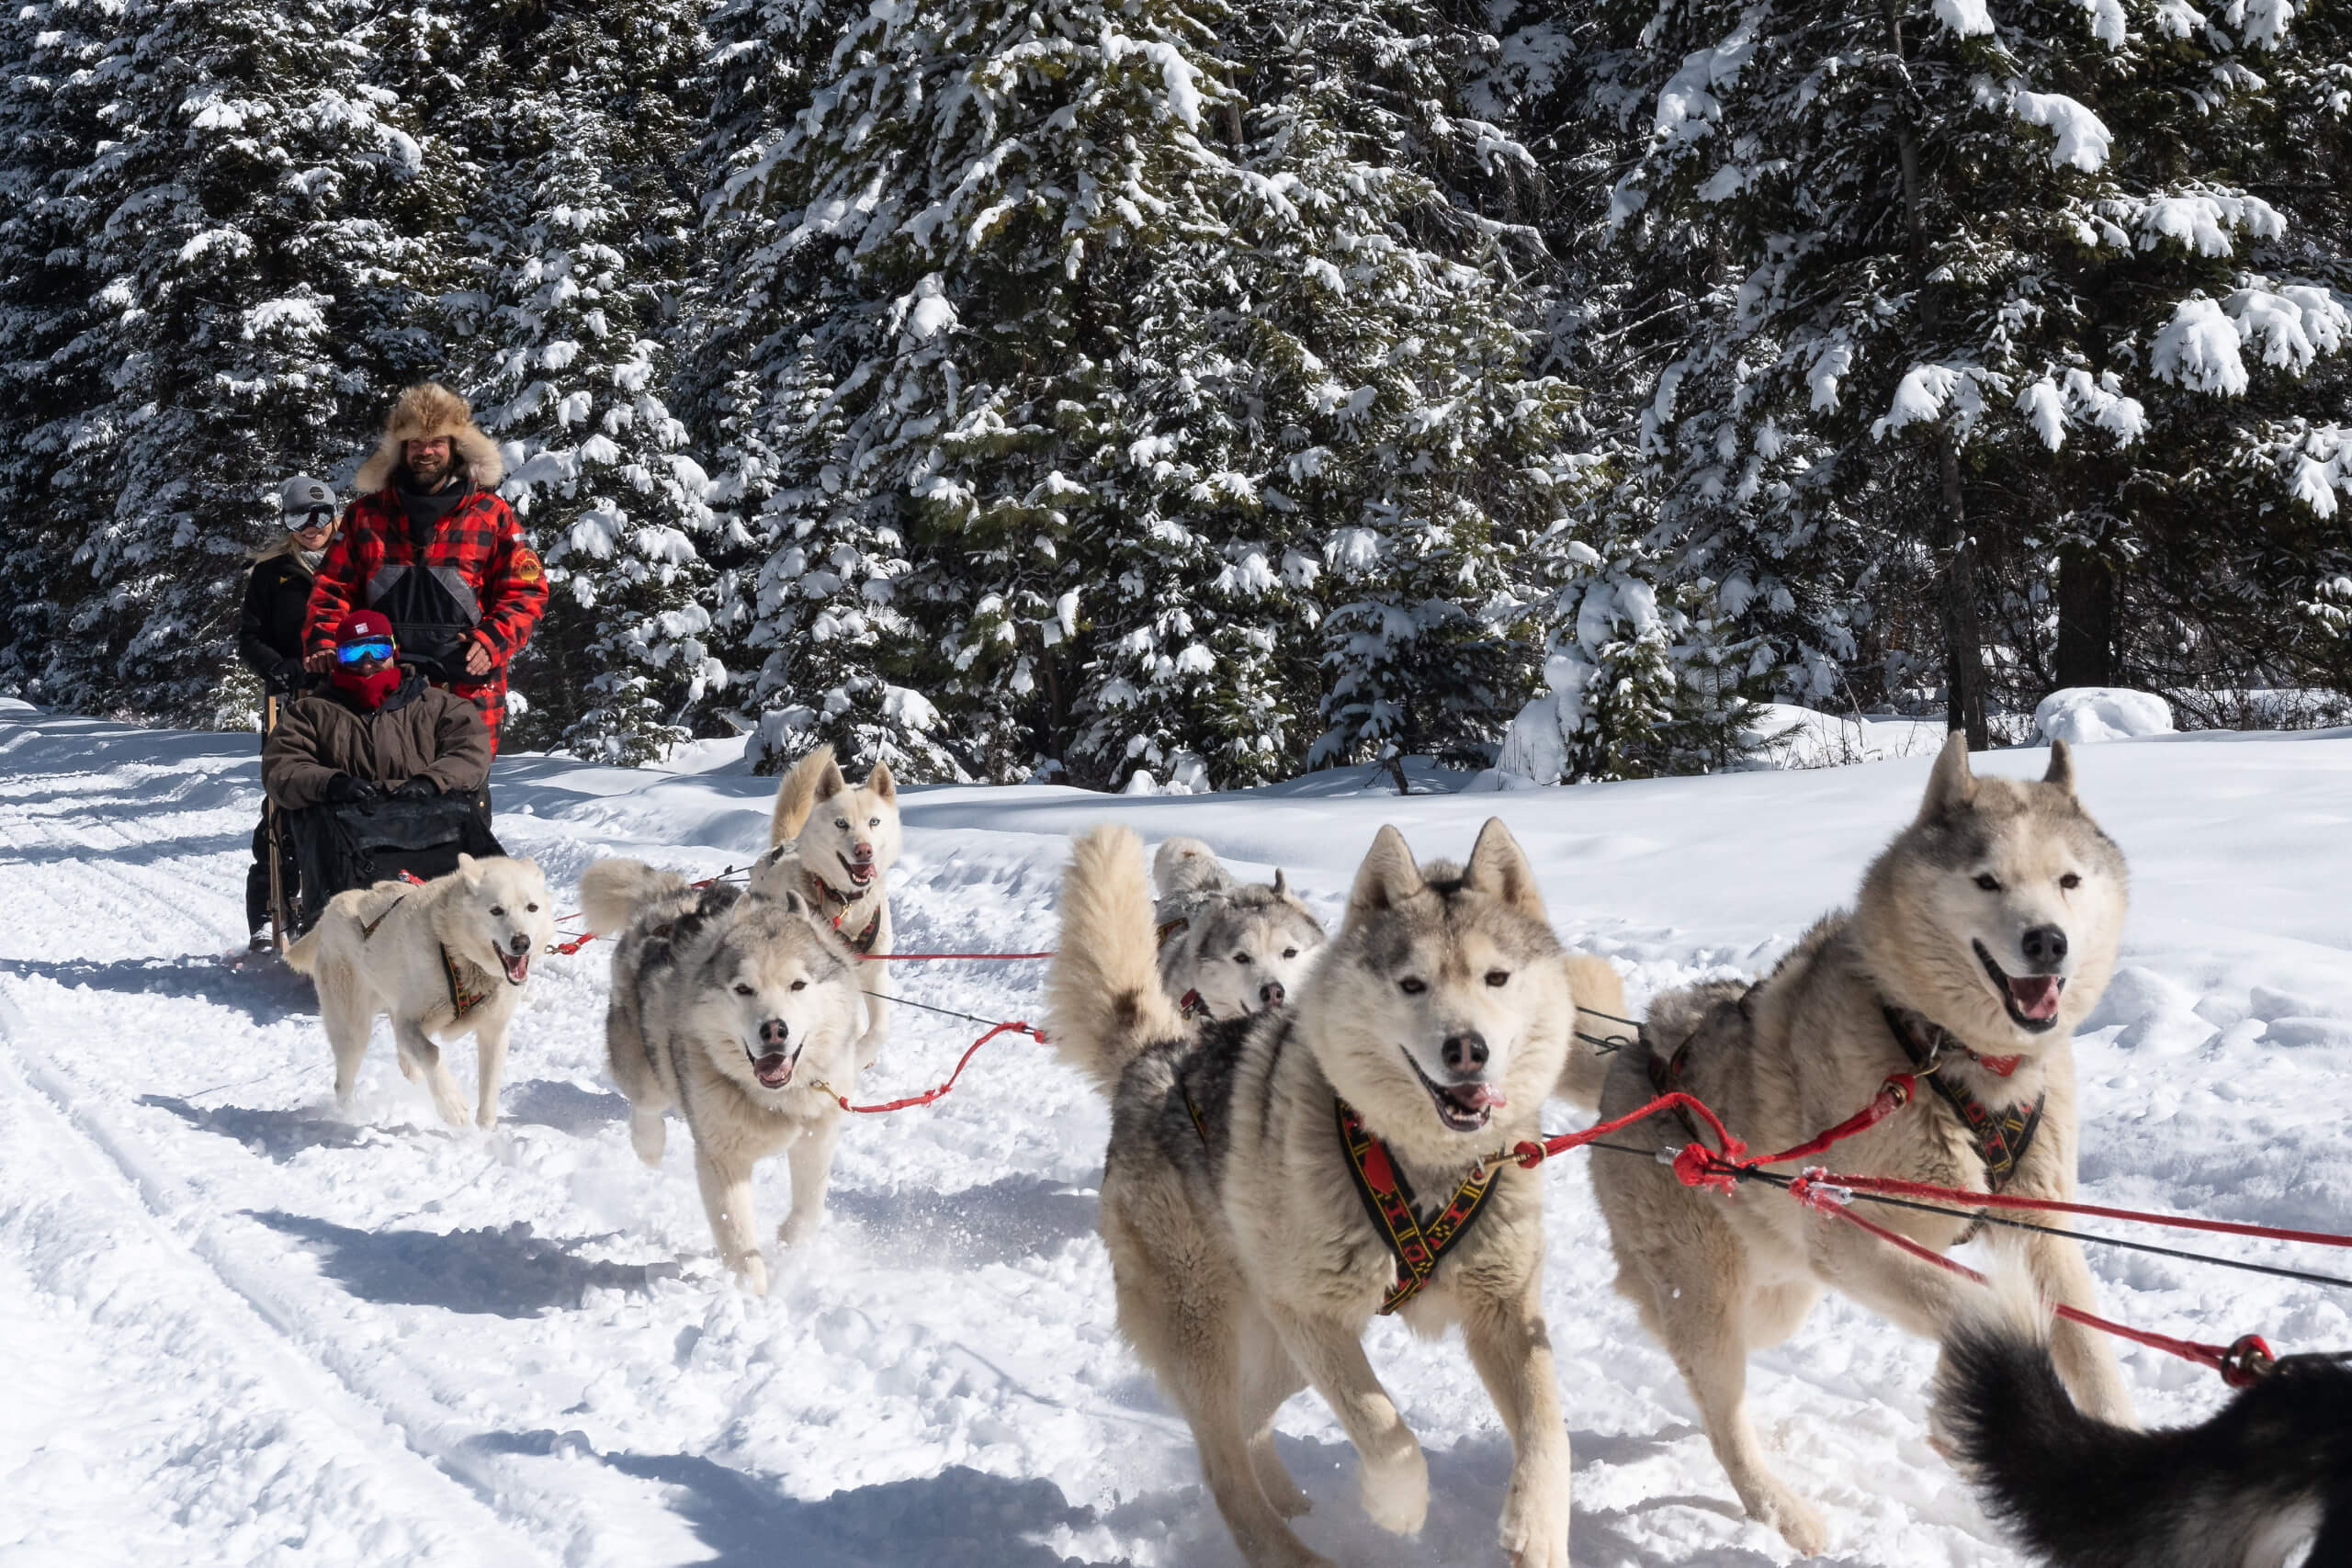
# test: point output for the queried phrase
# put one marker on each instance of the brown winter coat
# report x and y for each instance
(420, 729)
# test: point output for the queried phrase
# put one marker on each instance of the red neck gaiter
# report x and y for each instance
(368, 690)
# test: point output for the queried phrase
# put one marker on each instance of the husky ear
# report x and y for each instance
(880, 782)
(1282, 884)
(793, 904)
(469, 868)
(1950, 787)
(1388, 876)
(1498, 865)
(830, 783)
(2061, 767)
(531, 867)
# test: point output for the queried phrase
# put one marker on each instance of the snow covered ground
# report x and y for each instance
(246, 1331)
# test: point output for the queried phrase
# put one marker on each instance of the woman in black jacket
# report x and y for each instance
(269, 639)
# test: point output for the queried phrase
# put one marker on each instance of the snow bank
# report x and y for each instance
(2082, 715)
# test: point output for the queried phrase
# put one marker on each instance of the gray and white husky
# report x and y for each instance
(1245, 1261)
(833, 844)
(1983, 934)
(741, 1011)
(1228, 948)
(450, 958)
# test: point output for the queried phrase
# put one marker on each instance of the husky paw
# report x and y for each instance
(1797, 1520)
(1535, 1520)
(647, 1136)
(408, 1069)
(797, 1228)
(1397, 1491)
(755, 1272)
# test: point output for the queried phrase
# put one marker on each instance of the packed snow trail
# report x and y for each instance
(248, 1330)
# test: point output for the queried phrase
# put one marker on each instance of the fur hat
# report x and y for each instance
(424, 411)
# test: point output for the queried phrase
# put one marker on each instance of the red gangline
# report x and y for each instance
(931, 1094)
(1895, 1188)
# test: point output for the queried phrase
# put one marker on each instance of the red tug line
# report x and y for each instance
(2242, 1362)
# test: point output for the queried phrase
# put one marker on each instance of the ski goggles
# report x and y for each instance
(308, 521)
(373, 648)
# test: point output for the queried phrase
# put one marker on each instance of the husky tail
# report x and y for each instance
(2248, 1489)
(1104, 1003)
(815, 777)
(1601, 1011)
(612, 891)
(1185, 866)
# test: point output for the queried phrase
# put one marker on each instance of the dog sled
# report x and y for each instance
(337, 848)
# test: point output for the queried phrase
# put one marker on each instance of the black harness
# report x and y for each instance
(2002, 1138)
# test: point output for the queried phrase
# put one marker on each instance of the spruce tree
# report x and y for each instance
(242, 231)
(576, 243)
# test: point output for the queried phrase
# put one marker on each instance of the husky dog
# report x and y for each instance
(2248, 1489)
(447, 958)
(1226, 949)
(737, 1008)
(1239, 1190)
(1983, 936)
(833, 844)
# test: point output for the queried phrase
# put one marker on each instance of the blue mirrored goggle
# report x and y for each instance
(374, 648)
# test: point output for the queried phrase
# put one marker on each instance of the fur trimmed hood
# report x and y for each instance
(426, 409)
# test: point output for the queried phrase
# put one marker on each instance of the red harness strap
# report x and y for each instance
(1389, 1199)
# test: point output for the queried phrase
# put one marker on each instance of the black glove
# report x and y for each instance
(285, 678)
(345, 790)
(416, 788)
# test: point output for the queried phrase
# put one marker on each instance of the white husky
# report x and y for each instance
(447, 958)
(741, 1011)
(833, 843)
(1226, 949)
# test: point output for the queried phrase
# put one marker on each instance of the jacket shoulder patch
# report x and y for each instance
(527, 564)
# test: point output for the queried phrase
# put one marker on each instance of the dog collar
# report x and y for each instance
(820, 887)
(2002, 1138)
(1389, 1199)
(1168, 931)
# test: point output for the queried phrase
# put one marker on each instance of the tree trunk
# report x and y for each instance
(2085, 619)
(1964, 636)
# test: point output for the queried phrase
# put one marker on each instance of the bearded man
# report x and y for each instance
(429, 545)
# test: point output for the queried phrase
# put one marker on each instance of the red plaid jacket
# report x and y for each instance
(479, 543)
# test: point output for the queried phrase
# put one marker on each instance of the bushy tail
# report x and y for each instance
(2008, 1424)
(1187, 865)
(303, 956)
(1102, 997)
(799, 793)
(1600, 1010)
(612, 891)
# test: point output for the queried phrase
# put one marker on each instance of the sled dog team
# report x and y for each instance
(1300, 1122)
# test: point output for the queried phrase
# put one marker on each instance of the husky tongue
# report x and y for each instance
(518, 966)
(2036, 995)
(774, 1070)
(1475, 1096)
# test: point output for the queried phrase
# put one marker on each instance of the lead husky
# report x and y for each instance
(1226, 949)
(833, 845)
(2247, 1489)
(1983, 936)
(1243, 1249)
(736, 1008)
(447, 958)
